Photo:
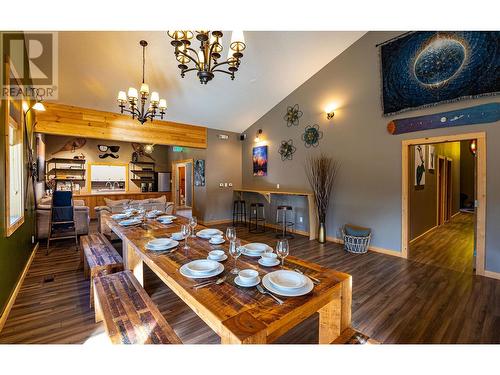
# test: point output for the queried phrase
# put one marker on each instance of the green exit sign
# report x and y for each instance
(177, 149)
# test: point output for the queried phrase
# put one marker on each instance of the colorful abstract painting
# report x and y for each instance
(259, 159)
(427, 68)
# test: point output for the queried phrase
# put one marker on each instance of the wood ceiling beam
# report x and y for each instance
(61, 119)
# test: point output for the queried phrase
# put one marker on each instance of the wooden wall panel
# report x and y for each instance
(61, 119)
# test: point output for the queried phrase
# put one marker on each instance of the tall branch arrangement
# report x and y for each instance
(321, 172)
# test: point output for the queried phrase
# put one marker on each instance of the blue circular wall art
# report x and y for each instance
(286, 150)
(439, 61)
(312, 135)
(292, 116)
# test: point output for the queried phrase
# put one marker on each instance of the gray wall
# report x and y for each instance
(368, 189)
(423, 200)
(222, 164)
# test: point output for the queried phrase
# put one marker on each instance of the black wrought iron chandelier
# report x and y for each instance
(157, 106)
(207, 59)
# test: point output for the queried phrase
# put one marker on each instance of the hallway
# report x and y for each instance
(449, 246)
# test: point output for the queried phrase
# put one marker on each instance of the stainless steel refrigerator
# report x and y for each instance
(163, 181)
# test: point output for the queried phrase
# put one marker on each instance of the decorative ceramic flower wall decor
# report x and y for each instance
(287, 150)
(312, 135)
(292, 116)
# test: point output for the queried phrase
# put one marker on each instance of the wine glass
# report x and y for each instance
(185, 230)
(231, 233)
(235, 251)
(193, 222)
(282, 249)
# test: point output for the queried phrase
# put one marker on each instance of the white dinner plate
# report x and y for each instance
(208, 233)
(187, 273)
(217, 242)
(202, 266)
(167, 217)
(161, 244)
(177, 236)
(287, 293)
(129, 222)
(222, 259)
(165, 221)
(256, 247)
(168, 246)
(287, 280)
(272, 264)
(237, 281)
(120, 216)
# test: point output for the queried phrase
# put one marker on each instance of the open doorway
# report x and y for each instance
(444, 197)
(183, 178)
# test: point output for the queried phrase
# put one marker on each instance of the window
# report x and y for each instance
(14, 165)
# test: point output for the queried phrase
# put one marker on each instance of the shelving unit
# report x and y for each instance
(142, 171)
(59, 171)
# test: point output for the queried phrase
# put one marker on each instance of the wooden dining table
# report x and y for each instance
(239, 315)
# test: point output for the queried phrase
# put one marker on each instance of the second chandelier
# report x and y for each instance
(206, 59)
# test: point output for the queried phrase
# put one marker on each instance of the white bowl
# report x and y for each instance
(269, 258)
(216, 254)
(177, 236)
(202, 266)
(248, 276)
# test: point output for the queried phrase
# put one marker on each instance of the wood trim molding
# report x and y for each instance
(13, 296)
(175, 182)
(480, 195)
(374, 249)
(423, 234)
(61, 119)
(492, 274)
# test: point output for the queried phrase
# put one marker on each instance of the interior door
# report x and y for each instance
(449, 192)
(182, 185)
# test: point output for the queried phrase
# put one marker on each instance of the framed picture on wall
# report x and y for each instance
(431, 157)
(419, 165)
(259, 161)
(199, 172)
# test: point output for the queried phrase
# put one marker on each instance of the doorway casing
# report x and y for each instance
(175, 181)
(480, 194)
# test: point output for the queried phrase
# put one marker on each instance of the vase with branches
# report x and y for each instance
(321, 172)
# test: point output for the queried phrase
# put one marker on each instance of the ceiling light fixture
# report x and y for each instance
(157, 106)
(206, 58)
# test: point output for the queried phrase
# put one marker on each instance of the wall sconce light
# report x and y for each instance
(330, 112)
(257, 136)
(148, 149)
(473, 147)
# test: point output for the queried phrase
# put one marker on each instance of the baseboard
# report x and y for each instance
(268, 225)
(215, 222)
(13, 296)
(493, 275)
(423, 234)
(374, 249)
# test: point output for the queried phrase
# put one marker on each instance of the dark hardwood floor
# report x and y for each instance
(450, 245)
(394, 300)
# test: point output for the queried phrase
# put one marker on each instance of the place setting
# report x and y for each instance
(166, 219)
(162, 245)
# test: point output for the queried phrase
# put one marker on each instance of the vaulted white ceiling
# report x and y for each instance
(94, 66)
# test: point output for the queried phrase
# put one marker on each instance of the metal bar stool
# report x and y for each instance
(257, 216)
(284, 221)
(239, 213)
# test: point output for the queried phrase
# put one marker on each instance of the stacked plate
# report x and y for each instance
(161, 244)
(166, 219)
(129, 222)
(201, 268)
(153, 214)
(255, 249)
(287, 283)
(120, 216)
(208, 233)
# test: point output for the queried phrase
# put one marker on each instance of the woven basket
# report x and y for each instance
(356, 245)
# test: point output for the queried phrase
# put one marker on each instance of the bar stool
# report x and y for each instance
(283, 221)
(239, 213)
(257, 216)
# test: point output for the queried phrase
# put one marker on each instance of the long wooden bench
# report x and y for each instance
(100, 258)
(128, 313)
